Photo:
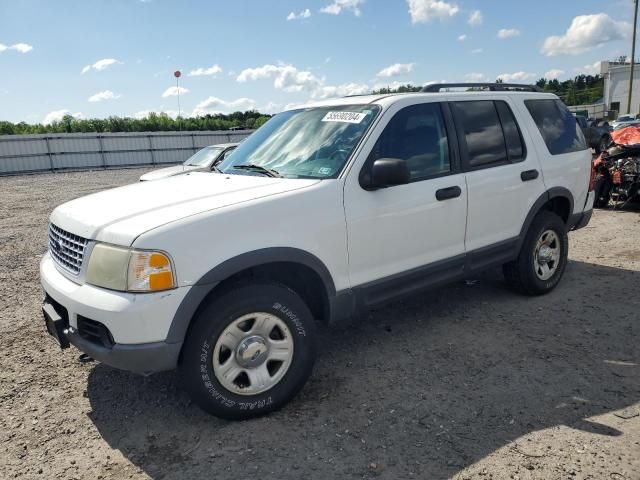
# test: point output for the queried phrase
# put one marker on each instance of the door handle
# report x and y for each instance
(529, 175)
(447, 193)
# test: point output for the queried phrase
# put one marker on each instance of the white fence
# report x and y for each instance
(52, 152)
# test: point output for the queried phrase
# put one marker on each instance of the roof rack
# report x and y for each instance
(493, 87)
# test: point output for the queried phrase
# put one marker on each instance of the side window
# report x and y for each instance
(481, 131)
(512, 135)
(416, 134)
(557, 125)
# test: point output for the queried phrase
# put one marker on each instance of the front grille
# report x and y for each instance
(66, 249)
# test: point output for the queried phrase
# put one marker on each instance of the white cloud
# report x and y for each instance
(341, 90)
(462, 38)
(213, 105)
(57, 115)
(173, 91)
(337, 6)
(395, 70)
(585, 33)
(101, 65)
(21, 47)
(105, 95)
(306, 13)
(504, 33)
(476, 77)
(201, 72)
(18, 47)
(477, 50)
(555, 73)
(286, 77)
(475, 18)
(516, 77)
(593, 69)
(423, 11)
(271, 108)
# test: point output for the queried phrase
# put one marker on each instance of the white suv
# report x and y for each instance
(322, 213)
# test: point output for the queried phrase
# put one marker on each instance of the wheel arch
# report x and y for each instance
(558, 200)
(309, 274)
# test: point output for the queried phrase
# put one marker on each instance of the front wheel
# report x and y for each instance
(543, 256)
(249, 352)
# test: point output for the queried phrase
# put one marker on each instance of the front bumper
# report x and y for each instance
(144, 358)
(137, 324)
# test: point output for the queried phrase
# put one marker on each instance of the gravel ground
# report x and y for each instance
(470, 381)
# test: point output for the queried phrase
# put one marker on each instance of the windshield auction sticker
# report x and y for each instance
(346, 117)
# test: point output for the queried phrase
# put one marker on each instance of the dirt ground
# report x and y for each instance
(467, 382)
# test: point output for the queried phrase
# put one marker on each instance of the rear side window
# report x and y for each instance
(490, 135)
(557, 125)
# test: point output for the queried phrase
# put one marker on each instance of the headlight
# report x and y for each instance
(130, 270)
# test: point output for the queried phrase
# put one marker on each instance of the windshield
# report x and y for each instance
(203, 157)
(307, 143)
(625, 118)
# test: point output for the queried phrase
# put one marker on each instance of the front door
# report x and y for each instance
(400, 235)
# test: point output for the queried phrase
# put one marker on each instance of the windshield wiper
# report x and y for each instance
(269, 172)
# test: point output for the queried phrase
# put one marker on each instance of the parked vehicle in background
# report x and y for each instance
(625, 121)
(597, 137)
(202, 161)
(322, 213)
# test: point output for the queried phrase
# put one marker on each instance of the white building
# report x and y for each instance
(616, 86)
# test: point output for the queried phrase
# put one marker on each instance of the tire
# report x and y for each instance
(230, 382)
(526, 274)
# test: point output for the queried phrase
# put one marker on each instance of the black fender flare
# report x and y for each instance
(199, 291)
(550, 194)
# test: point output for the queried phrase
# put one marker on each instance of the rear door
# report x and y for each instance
(503, 175)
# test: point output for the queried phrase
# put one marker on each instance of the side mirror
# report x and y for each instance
(386, 172)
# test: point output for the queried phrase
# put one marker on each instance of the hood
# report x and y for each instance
(122, 214)
(167, 172)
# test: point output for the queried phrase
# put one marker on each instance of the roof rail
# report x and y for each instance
(494, 87)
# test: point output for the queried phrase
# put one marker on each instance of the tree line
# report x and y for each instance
(581, 90)
(154, 122)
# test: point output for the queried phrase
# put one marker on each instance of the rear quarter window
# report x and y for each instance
(558, 127)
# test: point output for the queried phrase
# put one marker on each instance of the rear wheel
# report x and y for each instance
(249, 352)
(543, 256)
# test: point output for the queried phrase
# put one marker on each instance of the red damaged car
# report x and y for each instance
(617, 169)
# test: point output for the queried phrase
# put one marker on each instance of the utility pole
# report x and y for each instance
(178, 74)
(633, 55)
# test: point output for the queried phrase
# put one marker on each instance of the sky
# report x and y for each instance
(97, 58)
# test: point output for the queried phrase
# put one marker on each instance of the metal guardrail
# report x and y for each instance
(79, 151)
